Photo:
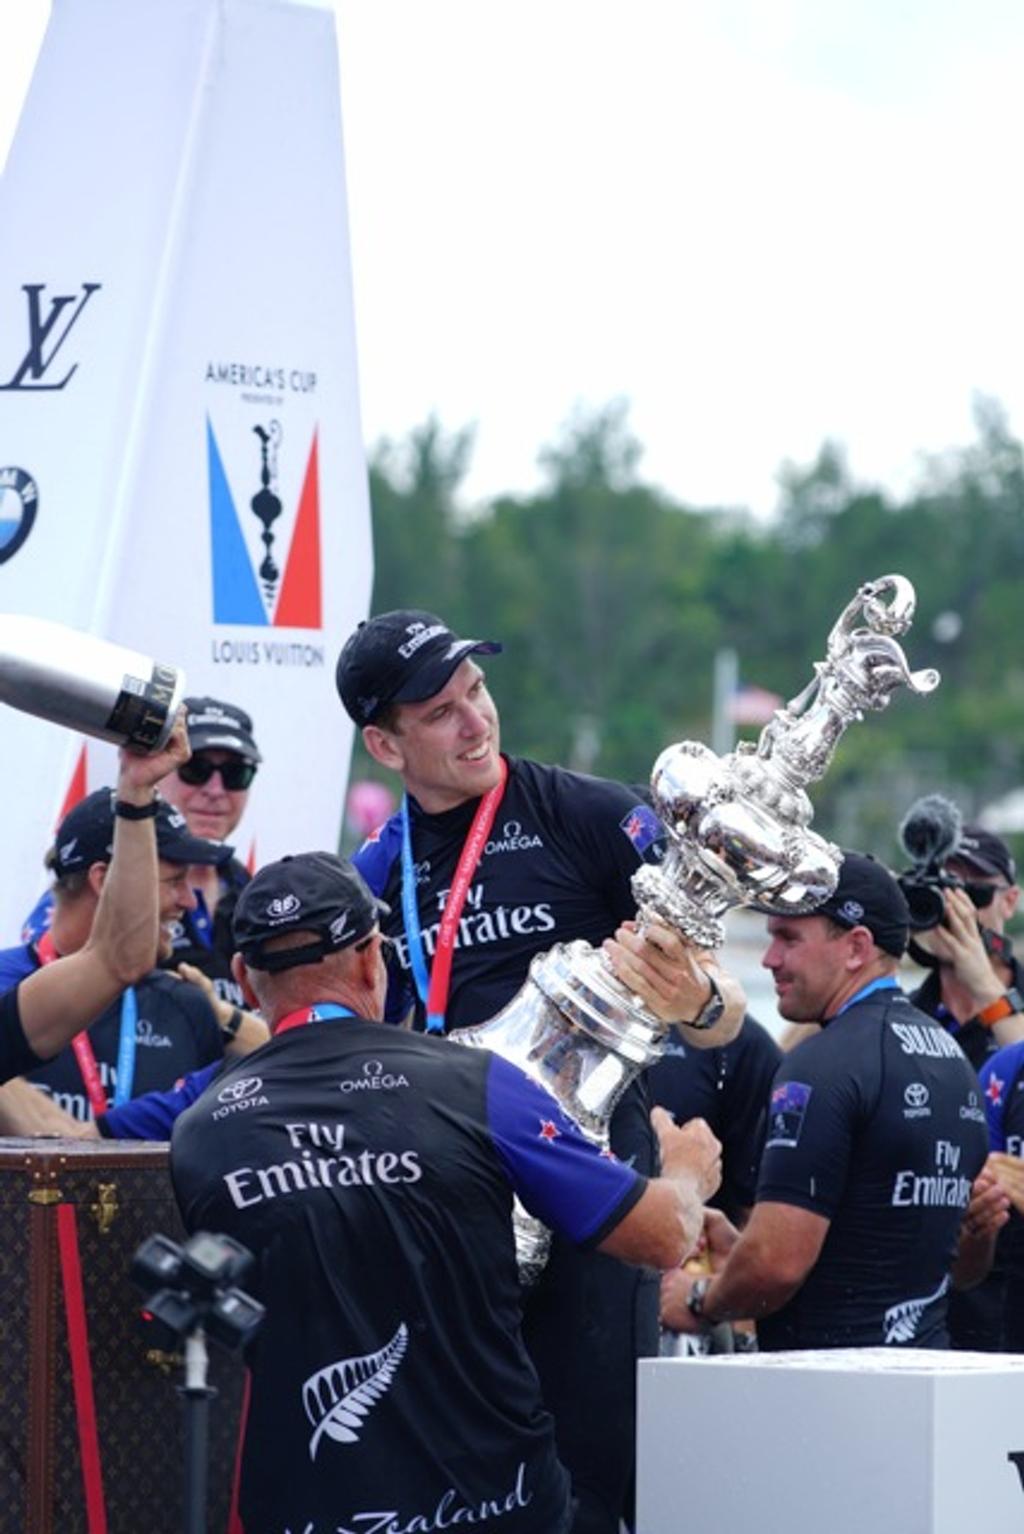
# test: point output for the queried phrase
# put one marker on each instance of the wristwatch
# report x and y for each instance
(1004, 1006)
(695, 1301)
(712, 1009)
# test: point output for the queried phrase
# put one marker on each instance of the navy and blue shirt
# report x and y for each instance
(176, 1032)
(372, 1171)
(557, 867)
(876, 1123)
(1002, 1088)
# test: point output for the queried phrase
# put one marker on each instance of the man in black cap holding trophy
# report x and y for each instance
(491, 860)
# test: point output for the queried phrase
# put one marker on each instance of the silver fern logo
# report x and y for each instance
(901, 1322)
(338, 1398)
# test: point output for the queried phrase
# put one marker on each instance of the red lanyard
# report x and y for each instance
(320, 1012)
(469, 858)
(81, 1043)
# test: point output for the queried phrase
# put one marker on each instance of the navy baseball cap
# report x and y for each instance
(312, 892)
(212, 722)
(867, 895)
(86, 836)
(986, 852)
(403, 656)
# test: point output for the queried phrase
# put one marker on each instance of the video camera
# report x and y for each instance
(930, 834)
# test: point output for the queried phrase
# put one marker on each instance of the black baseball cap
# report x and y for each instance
(212, 722)
(986, 852)
(86, 836)
(867, 895)
(403, 656)
(311, 892)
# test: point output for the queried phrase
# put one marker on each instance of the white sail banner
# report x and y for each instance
(181, 463)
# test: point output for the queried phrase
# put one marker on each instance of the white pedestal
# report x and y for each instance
(852, 1441)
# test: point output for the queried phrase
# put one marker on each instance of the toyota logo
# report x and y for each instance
(915, 1095)
(235, 1091)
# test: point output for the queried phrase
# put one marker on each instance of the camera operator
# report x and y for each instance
(976, 986)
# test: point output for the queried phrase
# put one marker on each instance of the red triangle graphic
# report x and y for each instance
(299, 604)
(77, 787)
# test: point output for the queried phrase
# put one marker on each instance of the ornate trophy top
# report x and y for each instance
(738, 825)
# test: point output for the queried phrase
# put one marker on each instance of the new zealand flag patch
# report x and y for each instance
(642, 827)
(786, 1113)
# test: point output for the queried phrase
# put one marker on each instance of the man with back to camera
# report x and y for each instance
(875, 1136)
(371, 1170)
(42, 1011)
(546, 857)
(211, 790)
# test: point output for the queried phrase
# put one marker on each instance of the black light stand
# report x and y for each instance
(192, 1293)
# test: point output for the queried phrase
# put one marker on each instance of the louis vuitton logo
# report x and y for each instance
(53, 328)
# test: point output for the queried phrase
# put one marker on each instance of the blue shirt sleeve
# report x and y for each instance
(38, 919)
(560, 1175)
(998, 1077)
(15, 964)
(152, 1116)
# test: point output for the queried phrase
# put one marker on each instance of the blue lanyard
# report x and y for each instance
(126, 1048)
(202, 921)
(883, 983)
(411, 917)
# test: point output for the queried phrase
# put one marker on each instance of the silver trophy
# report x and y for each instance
(738, 830)
(86, 683)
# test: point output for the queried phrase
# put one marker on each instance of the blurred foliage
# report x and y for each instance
(611, 600)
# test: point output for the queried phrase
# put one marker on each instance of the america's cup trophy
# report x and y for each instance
(738, 830)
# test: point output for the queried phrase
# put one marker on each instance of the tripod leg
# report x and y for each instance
(197, 1396)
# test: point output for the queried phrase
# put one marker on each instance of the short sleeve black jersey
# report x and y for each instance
(1002, 1086)
(175, 1032)
(372, 1171)
(728, 1086)
(557, 867)
(16, 1054)
(876, 1124)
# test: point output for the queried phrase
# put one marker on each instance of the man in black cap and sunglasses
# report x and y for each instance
(211, 790)
(508, 857)
(372, 1170)
(976, 986)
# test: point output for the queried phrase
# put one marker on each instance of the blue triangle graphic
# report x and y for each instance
(236, 597)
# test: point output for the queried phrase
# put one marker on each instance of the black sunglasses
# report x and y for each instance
(235, 775)
(982, 895)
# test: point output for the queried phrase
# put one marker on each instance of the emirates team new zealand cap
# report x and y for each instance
(403, 656)
(86, 836)
(211, 722)
(312, 892)
(867, 895)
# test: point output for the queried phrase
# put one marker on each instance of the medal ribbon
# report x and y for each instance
(86, 1055)
(434, 992)
(320, 1012)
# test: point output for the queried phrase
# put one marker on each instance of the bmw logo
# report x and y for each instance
(19, 501)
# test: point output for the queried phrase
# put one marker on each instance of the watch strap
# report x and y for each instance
(128, 811)
(1006, 1005)
(712, 1009)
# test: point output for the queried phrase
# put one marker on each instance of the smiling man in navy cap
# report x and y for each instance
(540, 856)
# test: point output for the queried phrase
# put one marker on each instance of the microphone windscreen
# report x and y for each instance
(930, 830)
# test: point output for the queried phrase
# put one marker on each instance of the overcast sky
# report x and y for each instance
(762, 223)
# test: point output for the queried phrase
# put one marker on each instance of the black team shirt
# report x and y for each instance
(372, 1171)
(875, 1123)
